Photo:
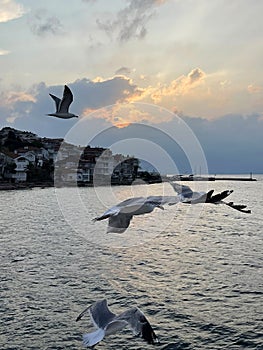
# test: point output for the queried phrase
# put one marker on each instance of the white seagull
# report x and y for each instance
(108, 323)
(121, 214)
(62, 106)
(188, 196)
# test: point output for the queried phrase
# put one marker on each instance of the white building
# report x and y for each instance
(21, 168)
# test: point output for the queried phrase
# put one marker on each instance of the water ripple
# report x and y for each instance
(201, 288)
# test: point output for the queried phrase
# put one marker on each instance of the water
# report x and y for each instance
(200, 285)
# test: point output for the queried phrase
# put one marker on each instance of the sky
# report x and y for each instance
(188, 70)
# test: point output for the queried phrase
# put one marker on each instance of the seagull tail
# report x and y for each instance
(90, 339)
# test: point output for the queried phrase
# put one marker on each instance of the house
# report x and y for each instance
(22, 164)
(6, 163)
(125, 169)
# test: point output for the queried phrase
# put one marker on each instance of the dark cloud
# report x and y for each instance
(123, 71)
(195, 75)
(43, 24)
(27, 113)
(231, 144)
(131, 21)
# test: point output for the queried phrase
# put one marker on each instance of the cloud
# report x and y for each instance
(12, 97)
(123, 71)
(28, 108)
(42, 24)
(10, 10)
(178, 87)
(254, 89)
(124, 114)
(4, 52)
(99, 93)
(226, 150)
(131, 21)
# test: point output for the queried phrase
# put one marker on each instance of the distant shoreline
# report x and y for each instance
(211, 178)
(6, 186)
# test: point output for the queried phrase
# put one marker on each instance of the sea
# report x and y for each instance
(195, 271)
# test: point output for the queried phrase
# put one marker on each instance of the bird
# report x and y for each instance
(121, 214)
(62, 106)
(188, 196)
(108, 323)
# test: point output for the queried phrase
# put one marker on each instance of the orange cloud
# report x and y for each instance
(13, 97)
(180, 86)
(124, 111)
(124, 114)
(254, 89)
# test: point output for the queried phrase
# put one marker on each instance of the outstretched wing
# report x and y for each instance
(200, 197)
(138, 324)
(108, 213)
(57, 101)
(99, 314)
(161, 200)
(182, 189)
(126, 207)
(66, 100)
(239, 207)
(219, 196)
(119, 223)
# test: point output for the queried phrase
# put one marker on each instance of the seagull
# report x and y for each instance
(188, 196)
(62, 106)
(108, 323)
(121, 214)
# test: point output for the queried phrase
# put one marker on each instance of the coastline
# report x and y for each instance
(7, 186)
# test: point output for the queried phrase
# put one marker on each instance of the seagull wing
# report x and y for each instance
(131, 201)
(217, 198)
(108, 213)
(57, 101)
(66, 100)
(139, 205)
(239, 207)
(198, 197)
(138, 324)
(119, 223)
(182, 189)
(99, 314)
(161, 200)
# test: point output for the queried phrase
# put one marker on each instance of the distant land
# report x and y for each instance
(27, 160)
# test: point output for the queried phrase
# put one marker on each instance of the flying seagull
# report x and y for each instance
(121, 214)
(108, 323)
(62, 106)
(188, 196)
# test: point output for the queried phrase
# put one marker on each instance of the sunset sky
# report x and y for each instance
(199, 59)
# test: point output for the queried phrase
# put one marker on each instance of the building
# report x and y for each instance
(26, 157)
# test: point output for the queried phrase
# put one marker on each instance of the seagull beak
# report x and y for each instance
(160, 206)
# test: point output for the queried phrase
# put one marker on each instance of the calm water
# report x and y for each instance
(195, 272)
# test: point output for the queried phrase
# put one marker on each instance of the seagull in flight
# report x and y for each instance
(121, 214)
(108, 323)
(62, 106)
(188, 196)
